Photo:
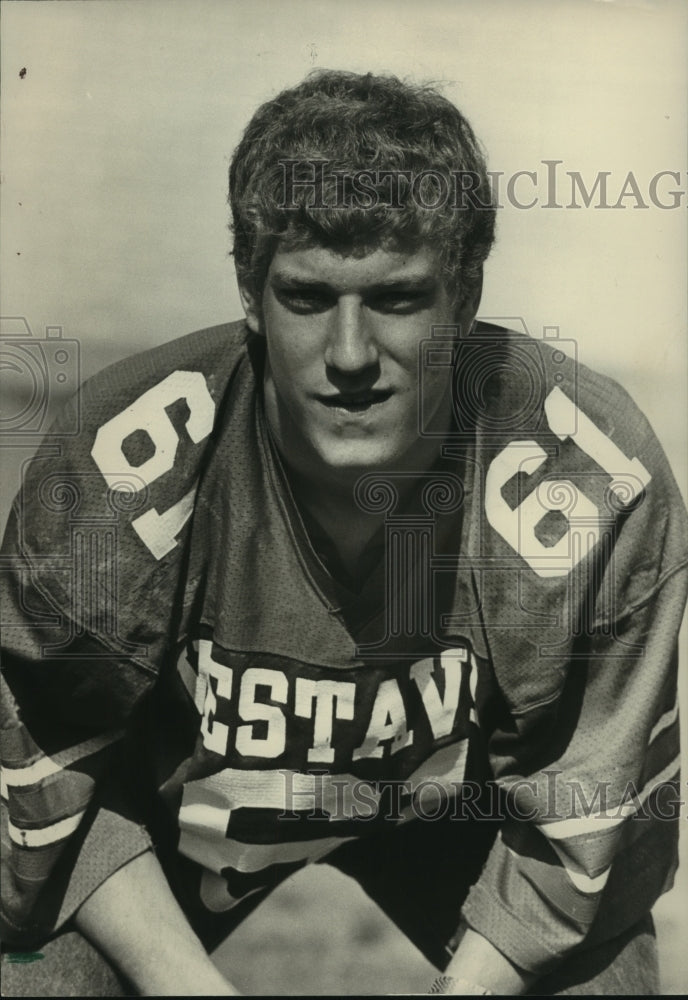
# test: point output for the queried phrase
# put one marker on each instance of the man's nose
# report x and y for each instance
(351, 345)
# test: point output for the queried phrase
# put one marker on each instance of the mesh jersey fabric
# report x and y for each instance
(174, 636)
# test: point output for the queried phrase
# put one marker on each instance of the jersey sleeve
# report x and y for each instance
(94, 565)
(65, 826)
(588, 840)
(587, 757)
(70, 687)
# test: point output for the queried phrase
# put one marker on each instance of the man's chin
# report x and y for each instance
(355, 458)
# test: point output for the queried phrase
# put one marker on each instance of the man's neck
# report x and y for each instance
(329, 500)
(334, 509)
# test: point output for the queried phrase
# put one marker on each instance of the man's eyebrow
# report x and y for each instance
(292, 281)
(420, 283)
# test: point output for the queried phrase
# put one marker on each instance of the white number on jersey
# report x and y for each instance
(156, 530)
(518, 526)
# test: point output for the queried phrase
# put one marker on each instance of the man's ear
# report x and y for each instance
(251, 306)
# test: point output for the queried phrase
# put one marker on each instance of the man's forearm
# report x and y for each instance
(138, 924)
(478, 966)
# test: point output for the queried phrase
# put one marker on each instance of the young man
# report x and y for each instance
(357, 580)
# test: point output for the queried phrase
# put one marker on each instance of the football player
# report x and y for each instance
(355, 580)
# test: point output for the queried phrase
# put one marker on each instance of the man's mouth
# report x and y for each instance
(356, 402)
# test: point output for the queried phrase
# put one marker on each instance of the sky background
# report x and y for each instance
(116, 143)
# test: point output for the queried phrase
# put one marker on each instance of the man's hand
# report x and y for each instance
(138, 924)
(478, 968)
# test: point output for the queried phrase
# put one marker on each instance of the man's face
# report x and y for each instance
(342, 378)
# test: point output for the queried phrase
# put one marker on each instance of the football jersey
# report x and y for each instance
(175, 636)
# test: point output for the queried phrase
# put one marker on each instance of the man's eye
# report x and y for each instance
(304, 303)
(402, 303)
